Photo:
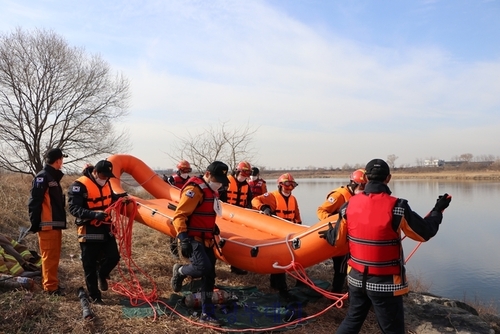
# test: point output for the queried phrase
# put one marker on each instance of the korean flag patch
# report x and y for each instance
(190, 193)
(331, 200)
(39, 179)
(75, 189)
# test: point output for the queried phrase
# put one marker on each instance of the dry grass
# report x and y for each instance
(417, 173)
(36, 312)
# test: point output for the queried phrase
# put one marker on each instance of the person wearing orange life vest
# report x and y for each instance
(257, 184)
(371, 224)
(283, 204)
(238, 193)
(47, 214)
(178, 180)
(89, 196)
(334, 201)
(194, 222)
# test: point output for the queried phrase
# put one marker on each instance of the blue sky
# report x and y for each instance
(326, 82)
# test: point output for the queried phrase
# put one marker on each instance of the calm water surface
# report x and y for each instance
(460, 261)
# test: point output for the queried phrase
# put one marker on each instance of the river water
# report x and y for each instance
(460, 261)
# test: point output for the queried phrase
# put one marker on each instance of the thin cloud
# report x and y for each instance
(309, 85)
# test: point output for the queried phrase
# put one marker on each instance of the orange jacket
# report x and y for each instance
(335, 199)
(283, 207)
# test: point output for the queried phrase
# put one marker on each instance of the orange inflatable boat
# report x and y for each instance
(248, 240)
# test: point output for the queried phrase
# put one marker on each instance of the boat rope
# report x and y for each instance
(130, 285)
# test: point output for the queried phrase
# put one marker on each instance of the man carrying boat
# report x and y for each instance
(178, 180)
(283, 204)
(238, 193)
(371, 224)
(334, 201)
(194, 222)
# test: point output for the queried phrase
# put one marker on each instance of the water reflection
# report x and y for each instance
(459, 261)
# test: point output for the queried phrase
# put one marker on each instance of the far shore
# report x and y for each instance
(451, 175)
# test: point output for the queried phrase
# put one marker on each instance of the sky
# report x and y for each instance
(324, 83)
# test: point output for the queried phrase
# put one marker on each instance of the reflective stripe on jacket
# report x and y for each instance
(375, 248)
(9, 264)
(47, 202)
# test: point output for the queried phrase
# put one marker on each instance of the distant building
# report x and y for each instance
(434, 163)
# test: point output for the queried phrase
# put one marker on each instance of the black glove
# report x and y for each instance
(216, 230)
(186, 247)
(328, 235)
(266, 210)
(323, 234)
(442, 203)
(101, 216)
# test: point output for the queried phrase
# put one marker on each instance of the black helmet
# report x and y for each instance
(255, 171)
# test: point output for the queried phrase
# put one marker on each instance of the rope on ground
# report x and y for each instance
(130, 285)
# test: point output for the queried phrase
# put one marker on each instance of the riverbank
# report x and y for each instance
(408, 174)
(36, 312)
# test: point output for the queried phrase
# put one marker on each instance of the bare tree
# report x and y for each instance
(484, 158)
(391, 160)
(346, 166)
(222, 142)
(467, 157)
(54, 95)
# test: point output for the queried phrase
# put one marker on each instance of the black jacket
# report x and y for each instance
(47, 201)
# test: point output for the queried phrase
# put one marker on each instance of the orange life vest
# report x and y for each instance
(98, 199)
(284, 209)
(201, 223)
(237, 192)
(375, 248)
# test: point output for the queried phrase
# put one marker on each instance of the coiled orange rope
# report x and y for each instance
(132, 276)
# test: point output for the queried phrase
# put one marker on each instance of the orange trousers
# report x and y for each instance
(50, 250)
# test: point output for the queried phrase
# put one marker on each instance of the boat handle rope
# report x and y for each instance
(154, 211)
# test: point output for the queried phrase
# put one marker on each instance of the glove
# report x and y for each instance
(101, 216)
(323, 234)
(186, 247)
(442, 203)
(328, 235)
(216, 230)
(266, 210)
